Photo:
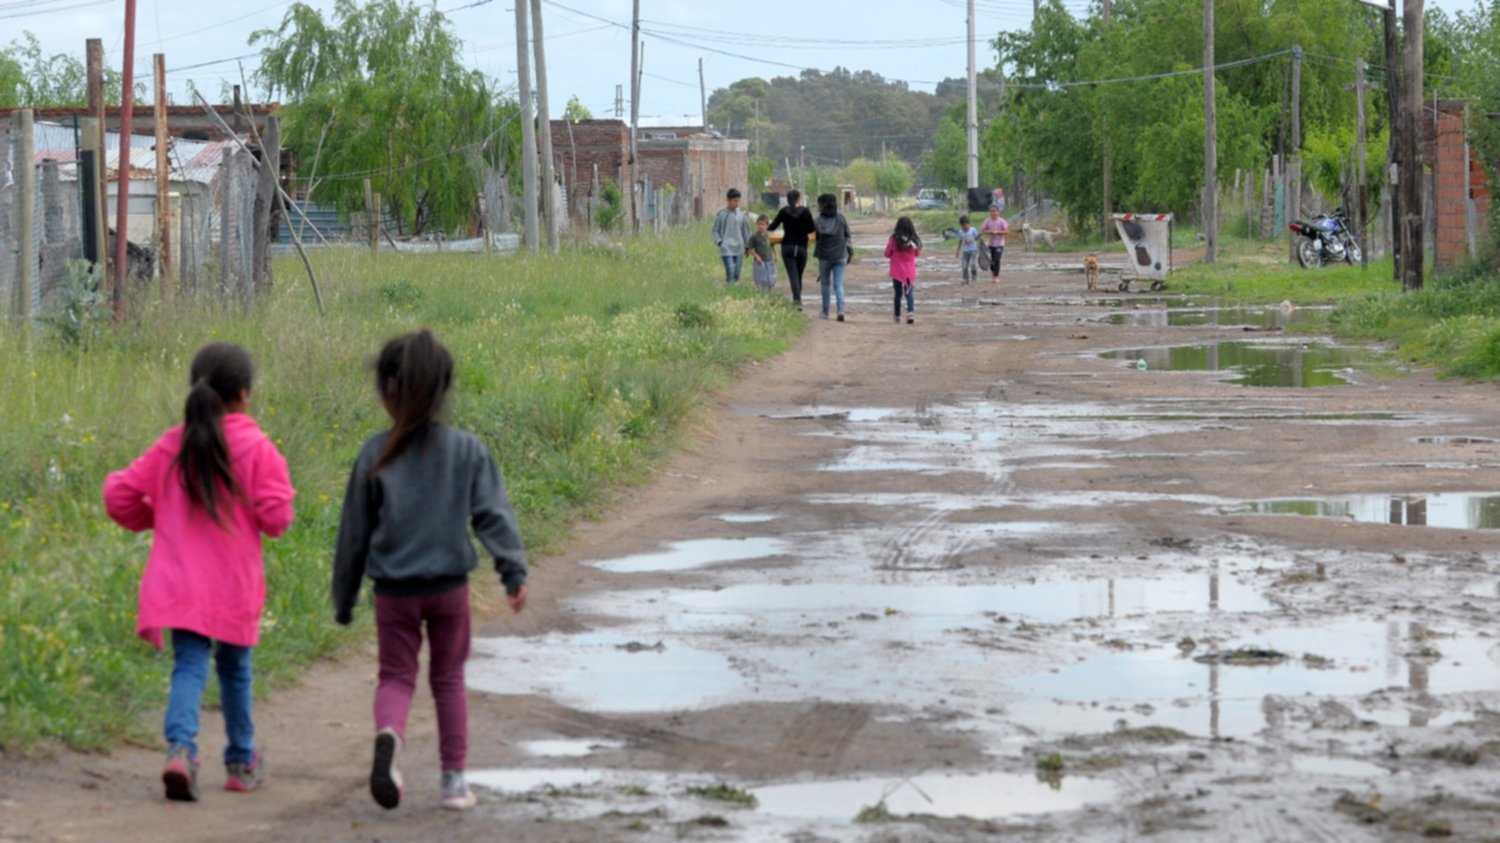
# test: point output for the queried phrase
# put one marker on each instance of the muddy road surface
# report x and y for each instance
(1047, 564)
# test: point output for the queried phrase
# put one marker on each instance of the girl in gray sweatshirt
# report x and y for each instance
(415, 492)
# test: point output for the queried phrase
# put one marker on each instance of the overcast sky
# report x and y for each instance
(588, 41)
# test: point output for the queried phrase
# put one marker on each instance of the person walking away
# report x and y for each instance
(731, 234)
(832, 251)
(968, 249)
(994, 230)
(764, 270)
(413, 494)
(799, 224)
(903, 249)
(208, 489)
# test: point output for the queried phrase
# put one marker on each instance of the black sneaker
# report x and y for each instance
(841, 317)
(180, 776)
(385, 775)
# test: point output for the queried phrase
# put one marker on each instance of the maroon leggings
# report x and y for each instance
(398, 627)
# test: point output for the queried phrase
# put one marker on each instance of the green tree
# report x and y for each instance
(761, 170)
(861, 173)
(378, 91)
(31, 79)
(893, 177)
(576, 110)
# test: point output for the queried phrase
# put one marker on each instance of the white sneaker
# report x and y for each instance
(456, 793)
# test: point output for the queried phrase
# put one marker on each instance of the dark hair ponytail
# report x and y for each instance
(220, 373)
(412, 375)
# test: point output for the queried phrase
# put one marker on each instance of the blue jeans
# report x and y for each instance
(189, 675)
(732, 264)
(831, 274)
(907, 290)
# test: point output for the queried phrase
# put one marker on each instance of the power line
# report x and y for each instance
(49, 9)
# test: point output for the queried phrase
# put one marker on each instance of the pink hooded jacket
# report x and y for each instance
(202, 577)
(903, 261)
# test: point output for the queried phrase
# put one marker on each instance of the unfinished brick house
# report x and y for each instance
(1459, 221)
(698, 167)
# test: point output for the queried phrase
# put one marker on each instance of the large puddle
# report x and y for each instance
(1301, 365)
(1268, 318)
(980, 796)
(698, 553)
(1454, 511)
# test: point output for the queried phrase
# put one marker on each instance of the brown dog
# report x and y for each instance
(1091, 271)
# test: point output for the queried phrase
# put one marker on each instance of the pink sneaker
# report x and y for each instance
(243, 777)
(180, 775)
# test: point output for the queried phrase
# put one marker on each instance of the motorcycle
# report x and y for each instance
(1327, 240)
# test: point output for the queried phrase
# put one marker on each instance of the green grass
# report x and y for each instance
(1451, 325)
(577, 370)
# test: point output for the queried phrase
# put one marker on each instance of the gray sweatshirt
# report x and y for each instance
(407, 527)
(732, 231)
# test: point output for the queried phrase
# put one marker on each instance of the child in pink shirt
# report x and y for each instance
(207, 489)
(995, 228)
(903, 249)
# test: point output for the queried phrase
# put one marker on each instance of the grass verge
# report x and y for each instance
(577, 370)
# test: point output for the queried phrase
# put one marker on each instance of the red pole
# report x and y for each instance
(122, 207)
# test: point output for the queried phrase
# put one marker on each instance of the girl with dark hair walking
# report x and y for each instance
(799, 224)
(414, 493)
(207, 489)
(903, 249)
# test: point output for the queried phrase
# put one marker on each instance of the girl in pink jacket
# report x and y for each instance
(207, 489)
(903, 249)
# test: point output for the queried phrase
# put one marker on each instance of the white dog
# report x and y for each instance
(1037, 236)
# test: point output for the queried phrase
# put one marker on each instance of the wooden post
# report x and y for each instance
(226, 198)
(1361, 206)
(93, 139)
(531, 234)
(1411, 151)
(122, 204)
(189, 269)
(635, 111)
(544, 124)
(163, 175)
(1393, 145)
(371, 234)
(1210, 142)
(26, 188)
(1294, 155)
(266, 175)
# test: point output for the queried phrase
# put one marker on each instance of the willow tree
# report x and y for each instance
(377, 91)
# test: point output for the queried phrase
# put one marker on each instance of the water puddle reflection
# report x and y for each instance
(1454, 511)
(568, 747)
(697, 553)
(1309, 365)
(980, 796)
(1269, 318)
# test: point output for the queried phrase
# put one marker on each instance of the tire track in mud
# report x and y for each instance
(821, 735)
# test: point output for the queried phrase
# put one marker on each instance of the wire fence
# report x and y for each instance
(211, 220)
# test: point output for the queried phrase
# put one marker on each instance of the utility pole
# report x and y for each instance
(702, 95)
(971, 125)
(1210, 142)
(544, 122)
(1411, 158)
(635, 105)
(1393, 147)
(1361, 207)
(25, 135)
(757, 128)
(1294, 157)
(530, 234)
(122, 207)
(1105, 199)
(162, 216)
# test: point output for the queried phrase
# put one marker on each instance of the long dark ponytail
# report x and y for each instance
(412, 375)
(220, 374)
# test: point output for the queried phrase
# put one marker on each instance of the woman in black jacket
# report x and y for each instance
(832, 250)
(799, 223)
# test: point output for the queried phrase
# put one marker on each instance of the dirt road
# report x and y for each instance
(967, 569)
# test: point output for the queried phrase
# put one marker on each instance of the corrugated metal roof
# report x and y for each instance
(189, 160)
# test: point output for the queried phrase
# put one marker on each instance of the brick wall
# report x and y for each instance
(1450, 170)
(587, 143)
(705, 167)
